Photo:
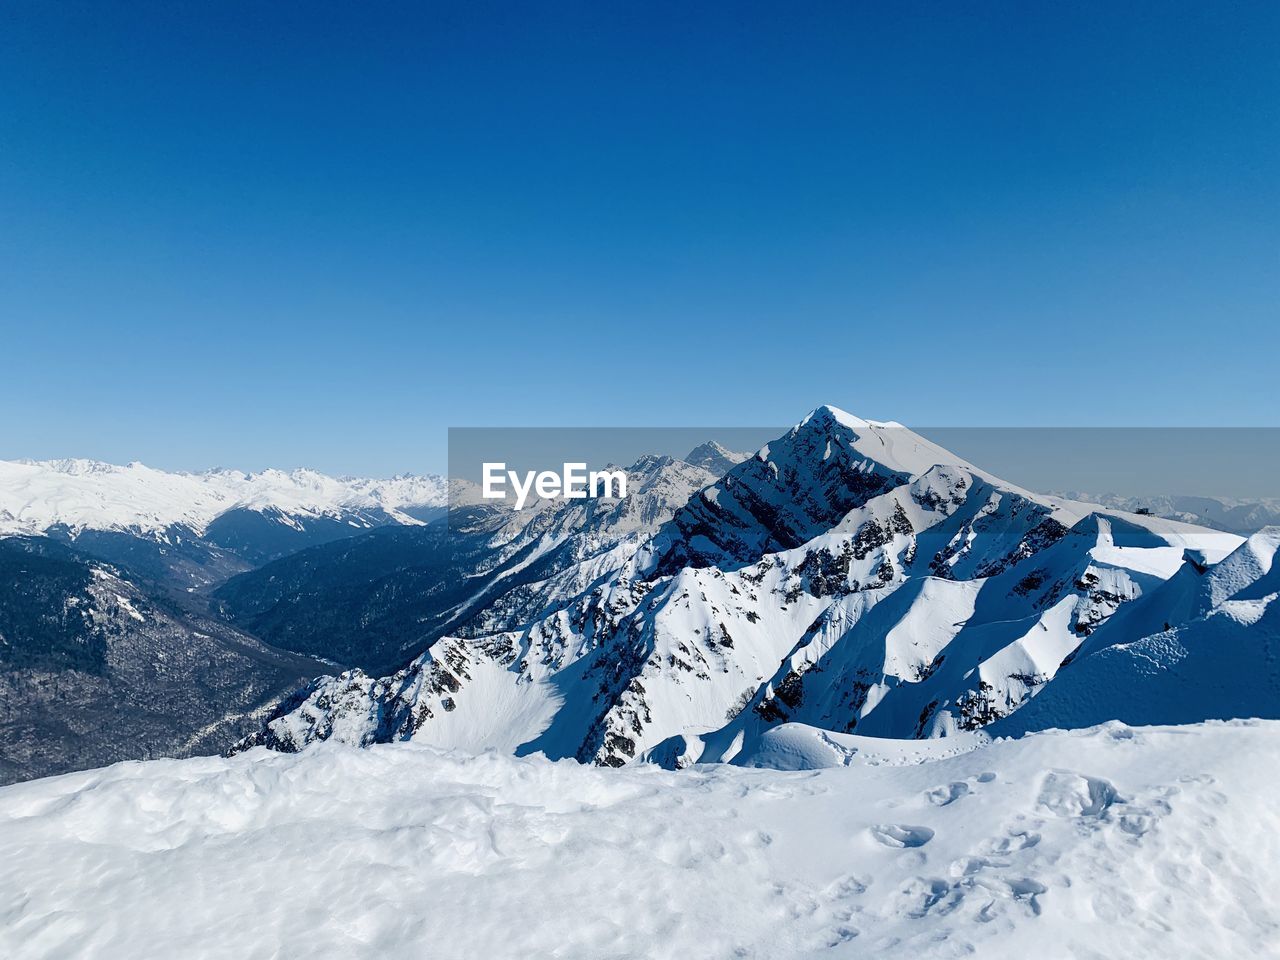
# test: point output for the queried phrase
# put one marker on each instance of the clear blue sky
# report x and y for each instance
(309, 233)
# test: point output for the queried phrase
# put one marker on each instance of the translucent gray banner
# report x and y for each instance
(1224, 477)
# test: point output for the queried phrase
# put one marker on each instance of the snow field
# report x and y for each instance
(1109, 842)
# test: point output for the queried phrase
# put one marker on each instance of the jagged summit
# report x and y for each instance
(794, 488)
(888, 444)
(827, 413)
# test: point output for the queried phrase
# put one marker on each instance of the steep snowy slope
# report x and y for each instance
(870, 632)
(1144, 844)
(792, 490)
(379, 599)
(1220, 660)
(848, 575)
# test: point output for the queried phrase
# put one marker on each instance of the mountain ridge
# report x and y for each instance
(761, 600)
(79, 494)
(848, 576)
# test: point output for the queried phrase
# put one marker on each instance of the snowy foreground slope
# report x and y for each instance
(1103, 843)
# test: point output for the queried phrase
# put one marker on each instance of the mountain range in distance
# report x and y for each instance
(1233, 514)
(848, 579)
(109, 648)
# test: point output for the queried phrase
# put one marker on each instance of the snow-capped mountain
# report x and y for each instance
(36, 495)
(714, 457)
(381, 599)
(849, 596)
(850, 575)
(196, 529)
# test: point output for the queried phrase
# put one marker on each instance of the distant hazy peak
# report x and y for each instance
(714, 457)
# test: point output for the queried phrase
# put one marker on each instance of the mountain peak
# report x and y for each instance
(828, 414)
(833, 415)
(882, 446)
(714, 457)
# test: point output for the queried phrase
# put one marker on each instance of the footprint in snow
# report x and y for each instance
(901, 835)
(1069, 794)
(1012, 842)
(922, 895)
(948, 793)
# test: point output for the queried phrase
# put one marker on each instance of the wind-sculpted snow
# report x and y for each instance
(850, 576)
(1110, 842)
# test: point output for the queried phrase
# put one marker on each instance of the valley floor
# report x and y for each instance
(1114, 842)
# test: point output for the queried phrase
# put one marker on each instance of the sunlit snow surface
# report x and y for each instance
(1110, 842)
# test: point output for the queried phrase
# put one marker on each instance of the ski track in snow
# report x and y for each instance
(1104, 843)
